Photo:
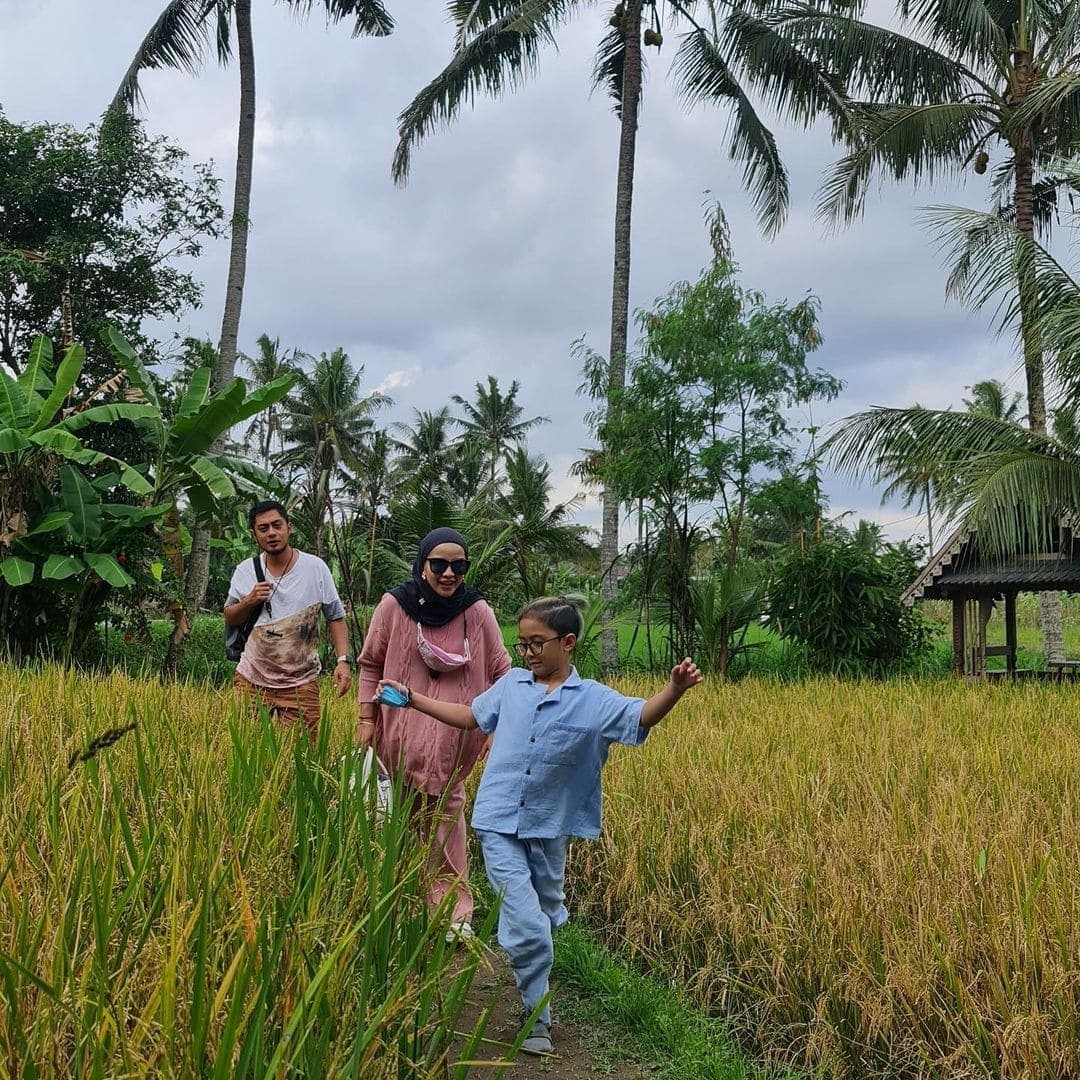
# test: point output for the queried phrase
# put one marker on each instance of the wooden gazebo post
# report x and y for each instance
(1010, 633)
(958, 643)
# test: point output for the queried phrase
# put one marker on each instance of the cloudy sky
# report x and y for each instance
(497, 255)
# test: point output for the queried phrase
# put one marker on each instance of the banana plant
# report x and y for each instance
(58, 526)
(183, 469)
(47, 503)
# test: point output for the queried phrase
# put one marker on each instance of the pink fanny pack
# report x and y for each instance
(436, 659)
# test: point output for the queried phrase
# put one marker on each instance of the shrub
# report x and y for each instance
(842, 603)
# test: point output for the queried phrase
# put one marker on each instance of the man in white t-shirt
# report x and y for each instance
(280, 663)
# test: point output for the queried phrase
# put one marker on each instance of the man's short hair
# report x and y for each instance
(263, 507)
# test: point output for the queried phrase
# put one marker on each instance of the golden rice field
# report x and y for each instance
(867, 879)
(870, 879)
(205, 897)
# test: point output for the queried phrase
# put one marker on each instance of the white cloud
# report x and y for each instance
(396, 381)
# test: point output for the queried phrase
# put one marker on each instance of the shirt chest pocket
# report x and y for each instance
(565, 744)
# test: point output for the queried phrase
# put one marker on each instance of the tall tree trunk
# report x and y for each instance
(1024, 207)
(620, 307)
(198, 572)
(929, 518)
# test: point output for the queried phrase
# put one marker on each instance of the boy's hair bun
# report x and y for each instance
(564, 613)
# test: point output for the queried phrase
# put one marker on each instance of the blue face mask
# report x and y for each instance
(390, 695)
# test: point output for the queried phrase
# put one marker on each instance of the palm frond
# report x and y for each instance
(1059, 44)
(968, 28)
(223, 36)
(971, 241)
(607, 71)
(178, 39)
(875, 62)
(790, 78)
(499, 56)
(990, 256)
(371, 19)
(922, 142)
(1020, 497)
(701, 74)
(1011, 484)
(471, 16)
(1052, 110)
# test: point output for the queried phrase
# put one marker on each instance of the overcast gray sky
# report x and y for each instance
(497, 255)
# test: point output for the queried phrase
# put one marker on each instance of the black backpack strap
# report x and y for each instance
(253, 618)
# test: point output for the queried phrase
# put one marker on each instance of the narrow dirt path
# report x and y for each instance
(581, 1053)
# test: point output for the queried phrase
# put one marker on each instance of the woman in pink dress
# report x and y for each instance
(437, 635)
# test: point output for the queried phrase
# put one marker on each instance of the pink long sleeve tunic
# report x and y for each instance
(431, 754)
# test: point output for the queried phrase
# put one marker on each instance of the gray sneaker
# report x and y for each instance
(539, 1041)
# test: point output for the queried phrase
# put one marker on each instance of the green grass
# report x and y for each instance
(636, 1018)
(646, 1020)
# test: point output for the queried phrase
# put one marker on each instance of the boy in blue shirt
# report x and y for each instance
(541, 785)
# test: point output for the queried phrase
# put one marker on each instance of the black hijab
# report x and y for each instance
(420, 600)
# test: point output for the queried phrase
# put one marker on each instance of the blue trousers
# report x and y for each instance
(527, 875)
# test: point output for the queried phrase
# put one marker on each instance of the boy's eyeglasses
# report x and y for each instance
(535, 647)
(440, 566)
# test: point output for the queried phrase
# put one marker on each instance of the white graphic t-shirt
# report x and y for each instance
(282, 650)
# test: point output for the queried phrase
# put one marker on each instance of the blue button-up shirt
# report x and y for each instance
(542, 777)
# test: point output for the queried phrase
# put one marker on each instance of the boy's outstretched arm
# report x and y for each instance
(459, 716)
(684, 675)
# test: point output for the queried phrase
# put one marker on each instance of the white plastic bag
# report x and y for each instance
(379, 795)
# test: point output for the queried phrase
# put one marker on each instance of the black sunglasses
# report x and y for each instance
(440, 566)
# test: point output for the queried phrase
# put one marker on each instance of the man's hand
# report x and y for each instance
(685, 674)
(342, 678)
(365, 734)
(260, 594)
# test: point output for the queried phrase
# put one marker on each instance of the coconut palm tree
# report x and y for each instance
(268, 364)
(966, 82)
(495, 420)
(467, 470)
(425, 450)
(541, 533)
(728, 52)
(991, 397)
(329, 422)
(1012, 484)
(180, 38)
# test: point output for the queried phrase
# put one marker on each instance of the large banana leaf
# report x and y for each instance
(263, 397)
(16, 571)
(129, 360)
(40, 539)
(108, 569)
(108, 414)
(217, 483)
(12, 441)
(52, 521)
(66, 377)
(59, 567)
(83, 503)
(65, 445)
(196, 392)
(35, 380)
(253, 477)
(12, 404)
(196, 432)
